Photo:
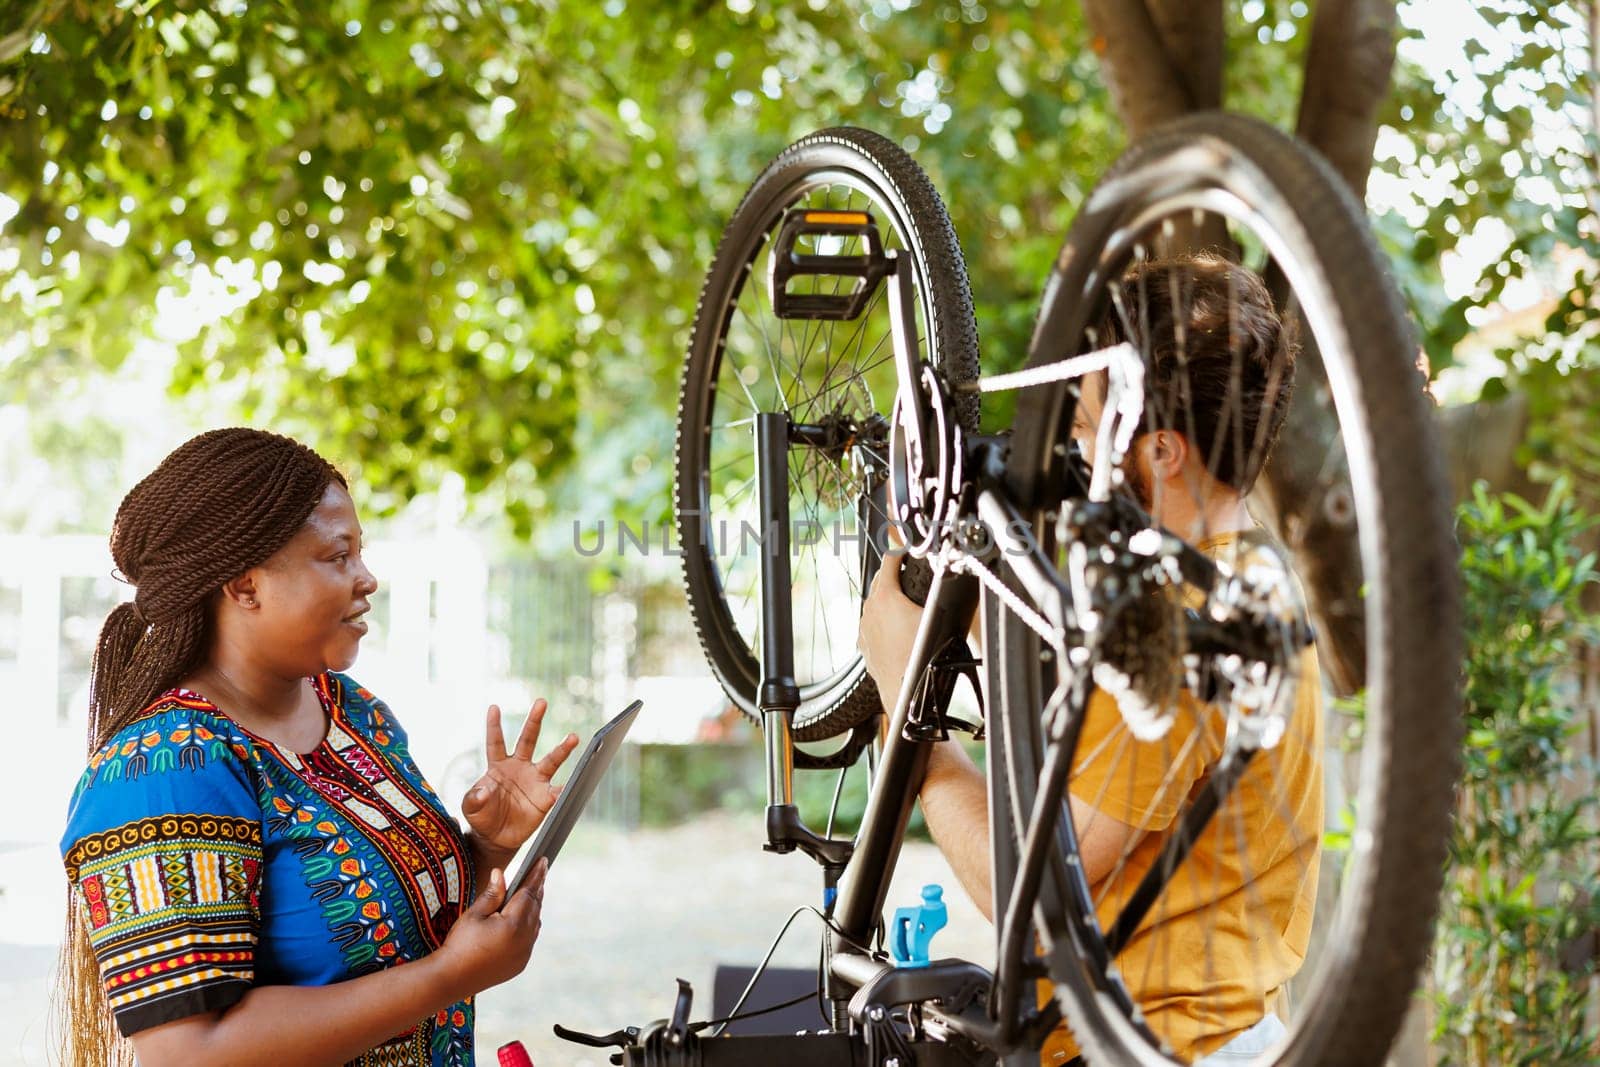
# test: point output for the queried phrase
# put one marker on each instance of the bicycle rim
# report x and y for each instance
(744, 359)
(1219, 944)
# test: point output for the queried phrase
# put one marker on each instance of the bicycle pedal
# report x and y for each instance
(828, 232)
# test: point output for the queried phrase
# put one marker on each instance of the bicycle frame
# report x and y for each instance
(1004, 571)
(867, 865)
(1078, 586)
(988, 1018)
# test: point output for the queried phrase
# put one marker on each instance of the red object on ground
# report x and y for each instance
(514, 1055)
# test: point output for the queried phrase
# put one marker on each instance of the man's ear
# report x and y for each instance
(1168, 452)
(241, 591)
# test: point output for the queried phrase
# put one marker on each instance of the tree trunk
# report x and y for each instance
(1162, 58)
(1348, 64)
(1305, 497)
(1480, 442)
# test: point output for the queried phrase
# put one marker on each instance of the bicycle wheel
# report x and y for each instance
(817, 345)
(1309, 893)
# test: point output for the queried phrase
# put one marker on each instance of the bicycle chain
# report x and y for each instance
(1028, 377)
(1019, 607)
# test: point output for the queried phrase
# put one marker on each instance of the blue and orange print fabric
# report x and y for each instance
(209, 860)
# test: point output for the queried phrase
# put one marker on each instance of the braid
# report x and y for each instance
(223, 502)
(220, 504)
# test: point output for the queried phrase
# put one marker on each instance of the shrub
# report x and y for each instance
(1524, 867)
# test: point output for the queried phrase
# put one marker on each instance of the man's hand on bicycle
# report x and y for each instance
(889, 622)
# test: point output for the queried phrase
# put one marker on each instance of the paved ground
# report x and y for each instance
(625, 914)
(32, 887)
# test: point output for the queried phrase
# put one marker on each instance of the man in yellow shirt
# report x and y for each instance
(1208, 964)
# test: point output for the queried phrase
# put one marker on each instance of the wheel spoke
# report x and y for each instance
(821, 371)
(1216, 371)
(858, 336)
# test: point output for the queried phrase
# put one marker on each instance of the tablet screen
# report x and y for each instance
(552, 833)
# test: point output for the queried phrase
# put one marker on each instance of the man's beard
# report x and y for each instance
(1135, 483)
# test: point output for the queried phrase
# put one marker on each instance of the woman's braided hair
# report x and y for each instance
(218, 505)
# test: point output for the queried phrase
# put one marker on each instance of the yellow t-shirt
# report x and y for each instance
(1232, 925)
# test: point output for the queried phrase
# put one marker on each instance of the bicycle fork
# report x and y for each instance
(779, 695)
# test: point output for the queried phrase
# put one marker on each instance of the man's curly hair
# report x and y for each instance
(1219, 361)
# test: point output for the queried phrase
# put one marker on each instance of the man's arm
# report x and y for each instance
(955, 797)
(955, 802)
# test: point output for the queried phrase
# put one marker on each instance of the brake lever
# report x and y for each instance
(624, 1038)
(678, 1030)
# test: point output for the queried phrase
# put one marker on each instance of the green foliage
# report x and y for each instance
(1492, 159)
(678, 782)
(1524, 878)
(1563, 392)
(1265, 57)
(814, 792)
(469, 235)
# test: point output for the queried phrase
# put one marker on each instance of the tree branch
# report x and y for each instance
(1191, 34)
(1348, 64)
(1161, 58)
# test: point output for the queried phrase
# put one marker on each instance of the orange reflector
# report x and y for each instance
(839, 218)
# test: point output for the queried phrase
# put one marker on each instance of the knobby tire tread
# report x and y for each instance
(1391, 929)
(932, 238)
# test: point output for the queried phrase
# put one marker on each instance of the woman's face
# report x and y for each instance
(313, 592)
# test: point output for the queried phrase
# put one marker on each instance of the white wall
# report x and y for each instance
(426, 657)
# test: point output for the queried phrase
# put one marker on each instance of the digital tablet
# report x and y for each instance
(585, 777)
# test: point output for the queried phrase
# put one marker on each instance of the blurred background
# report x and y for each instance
(456, 245)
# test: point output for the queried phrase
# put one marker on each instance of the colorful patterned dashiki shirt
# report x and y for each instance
(209, 860)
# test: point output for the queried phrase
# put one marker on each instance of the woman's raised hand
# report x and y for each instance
(508, 803)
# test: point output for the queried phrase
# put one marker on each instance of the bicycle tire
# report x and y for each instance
(896, 186)
(1383, 929)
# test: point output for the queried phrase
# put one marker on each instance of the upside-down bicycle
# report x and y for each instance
(833, 386)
